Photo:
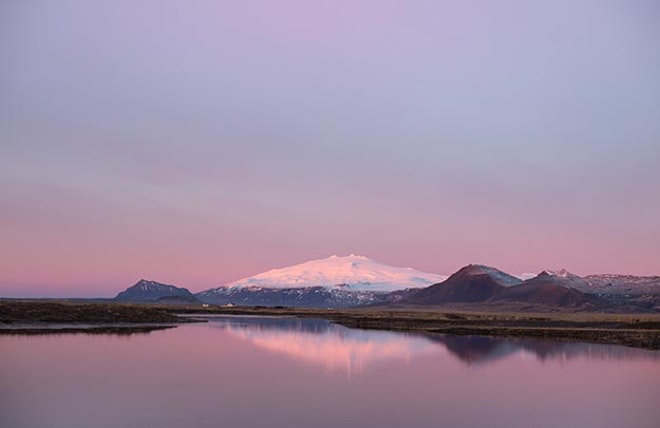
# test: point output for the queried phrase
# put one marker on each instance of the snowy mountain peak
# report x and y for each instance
(502, 277)
(563, 273)
(356, 272)
(351, 256)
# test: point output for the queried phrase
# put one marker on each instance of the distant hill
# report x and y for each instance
(625, 292)
(341, 296)
(485, 286)
(551, 289)
(472, 283)
(152, 291)
(622, 284)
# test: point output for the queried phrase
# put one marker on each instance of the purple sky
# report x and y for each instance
(198, 142)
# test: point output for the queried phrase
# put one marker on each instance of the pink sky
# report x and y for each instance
(200, 145)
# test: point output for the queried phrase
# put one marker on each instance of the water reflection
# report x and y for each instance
(485, 349)
(256, 372)
(320, 343)
(337, 348)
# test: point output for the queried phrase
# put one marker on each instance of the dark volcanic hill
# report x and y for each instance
(151, 291)
(471, 284)
(550, 289)
(483, 285)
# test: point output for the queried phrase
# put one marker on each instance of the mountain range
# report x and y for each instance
(351, 281)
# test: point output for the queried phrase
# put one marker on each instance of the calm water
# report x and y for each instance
(265, 372)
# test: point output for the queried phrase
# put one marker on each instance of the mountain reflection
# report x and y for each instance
(337, 348)
(484, 349)
(320, 343)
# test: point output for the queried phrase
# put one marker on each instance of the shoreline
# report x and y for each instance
(632, 330)
(54, 330)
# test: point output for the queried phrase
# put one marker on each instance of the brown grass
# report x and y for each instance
(637, 330)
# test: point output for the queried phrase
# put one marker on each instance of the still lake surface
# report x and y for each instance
(282, 372)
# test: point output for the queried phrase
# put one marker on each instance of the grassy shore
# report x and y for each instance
(126, 330)
(57, 317)
(635, 330)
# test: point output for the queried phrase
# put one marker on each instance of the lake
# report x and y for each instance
(286, 372)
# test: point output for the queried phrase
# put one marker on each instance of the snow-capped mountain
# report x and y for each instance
(356, 272)
(333, 282)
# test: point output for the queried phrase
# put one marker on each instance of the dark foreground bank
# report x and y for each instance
(634, 330)
(59, 316)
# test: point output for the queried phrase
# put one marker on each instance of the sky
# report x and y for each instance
(199, 142)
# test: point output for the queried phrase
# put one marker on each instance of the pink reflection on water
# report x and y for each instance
(341, 353)
(202, 376)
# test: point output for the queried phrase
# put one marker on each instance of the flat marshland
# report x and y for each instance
(635, 330)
